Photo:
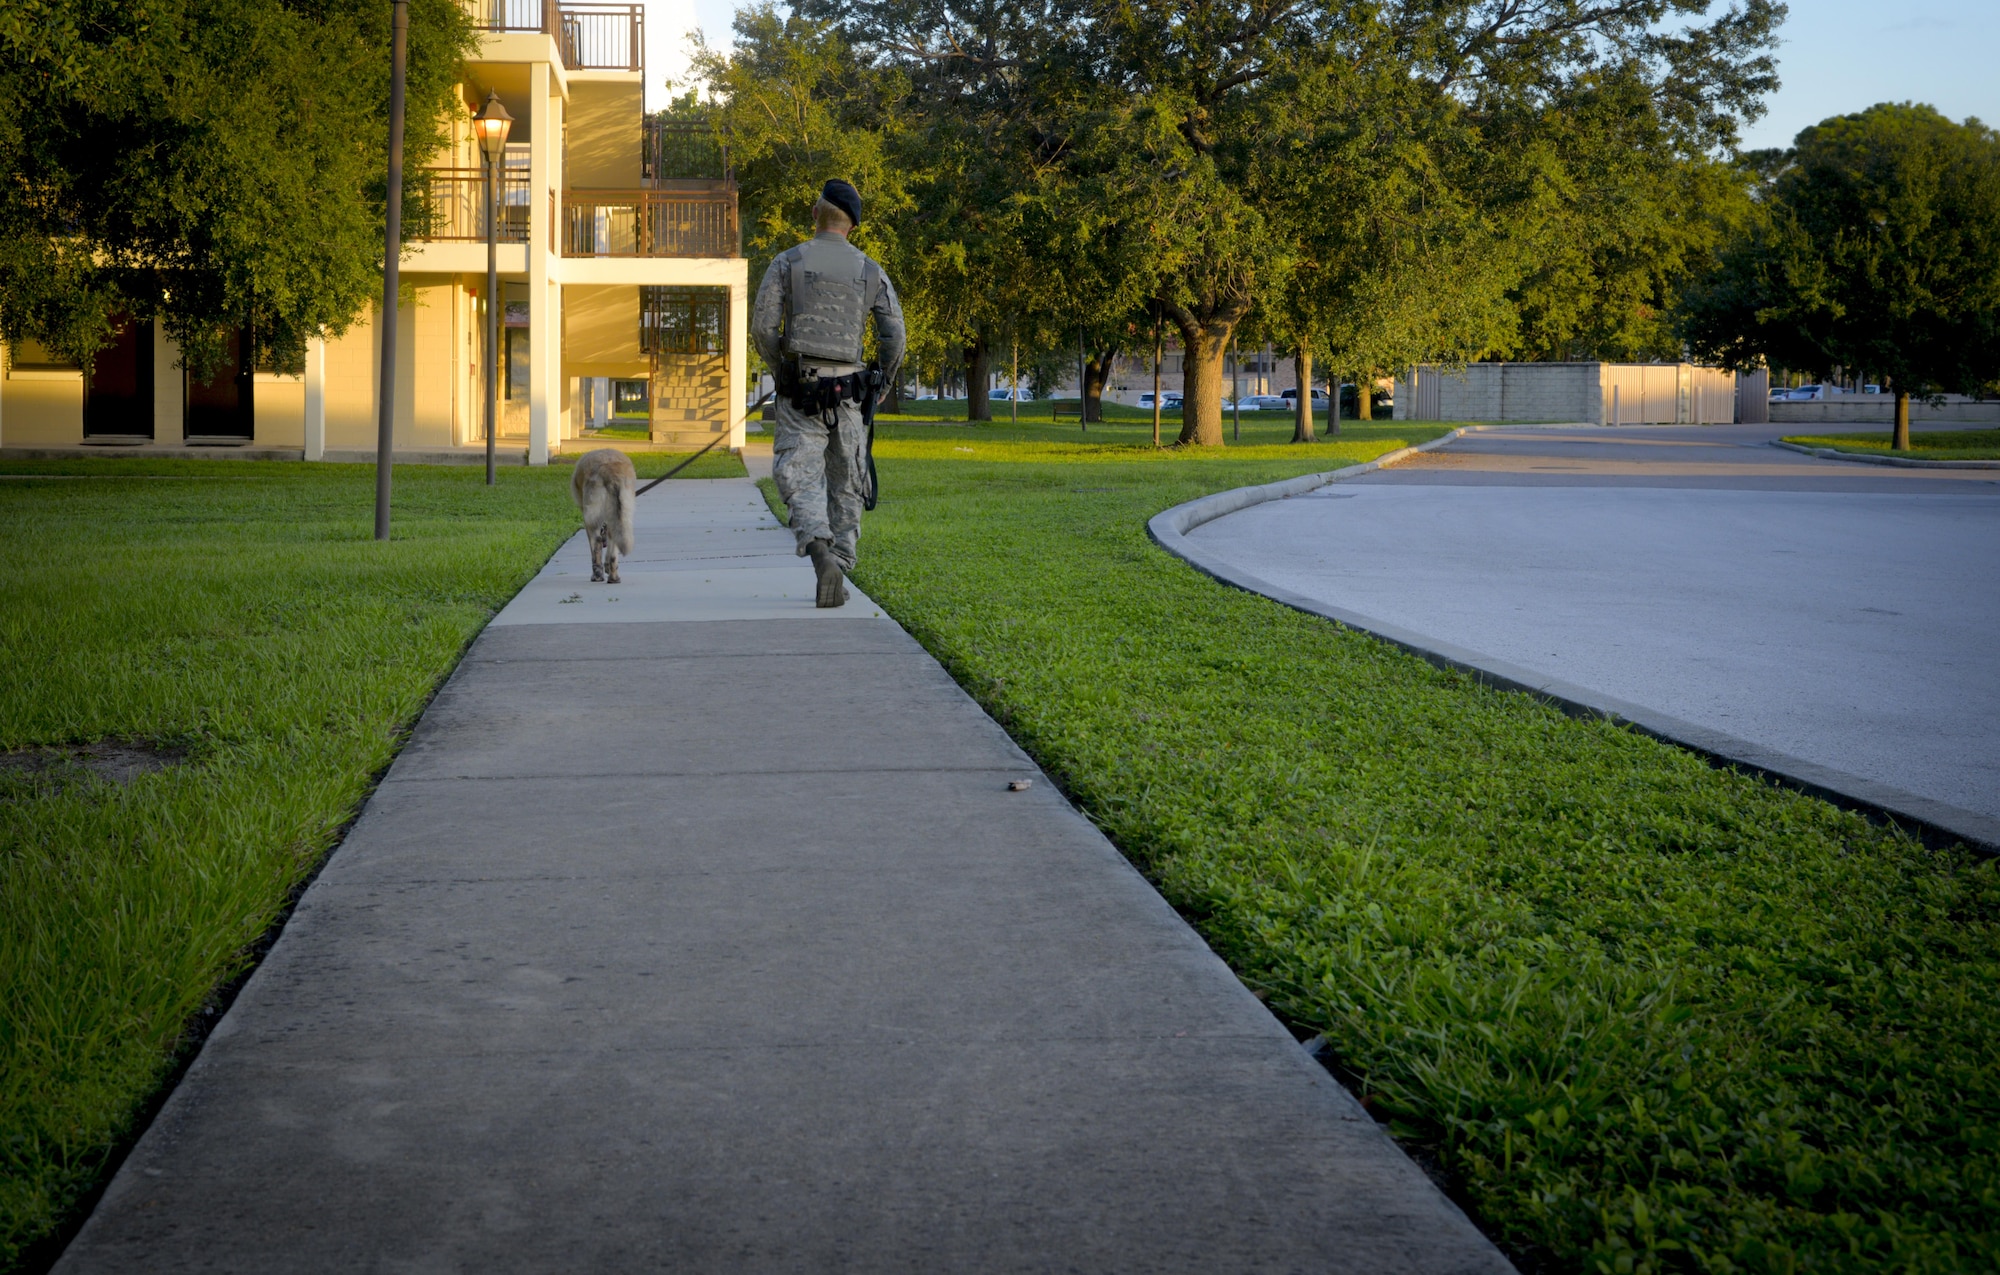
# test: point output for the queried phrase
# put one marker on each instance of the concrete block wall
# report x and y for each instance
(1862, 410)
(1594, 393)
(690, 397)
(1502, 392)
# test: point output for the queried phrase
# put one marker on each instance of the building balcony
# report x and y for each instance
(454, 202)
(591, 37)
(686, 218)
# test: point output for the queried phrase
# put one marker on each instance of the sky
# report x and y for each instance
(1838, 56)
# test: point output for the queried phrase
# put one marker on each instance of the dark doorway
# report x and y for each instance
(223, 406)
(118, 396)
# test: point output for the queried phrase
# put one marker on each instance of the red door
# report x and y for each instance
(118, 396)
(223, 406)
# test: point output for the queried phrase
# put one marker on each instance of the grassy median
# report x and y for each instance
(203, 665)
(1642, 1014)
(1936, 444)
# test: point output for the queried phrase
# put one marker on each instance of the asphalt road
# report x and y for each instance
(1844, 614)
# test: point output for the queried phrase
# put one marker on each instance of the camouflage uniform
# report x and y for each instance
(814, 306)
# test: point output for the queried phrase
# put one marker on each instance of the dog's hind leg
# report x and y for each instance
(610, 558)
(596, 554)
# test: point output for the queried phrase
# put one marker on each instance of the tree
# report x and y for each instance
(1878, 248)
(209, 163)
(795, 108)
(981, 83)
(1371, 177)
(1383, 183)
(1631, 209)
(1225, 72)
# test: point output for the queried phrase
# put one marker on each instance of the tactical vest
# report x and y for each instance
(831, 286)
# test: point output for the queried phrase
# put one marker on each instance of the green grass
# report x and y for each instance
(716, 464)
(1038, 412)
(1645, 1015)
(1941, 444)
(242, 612)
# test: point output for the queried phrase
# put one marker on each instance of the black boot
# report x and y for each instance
(832, 584)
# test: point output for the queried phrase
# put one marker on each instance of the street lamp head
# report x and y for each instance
(491, 126)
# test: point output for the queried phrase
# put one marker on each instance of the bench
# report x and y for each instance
(1061, 407)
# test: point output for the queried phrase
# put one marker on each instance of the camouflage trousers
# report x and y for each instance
(822, 474)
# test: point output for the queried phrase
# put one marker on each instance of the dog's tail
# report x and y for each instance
(622, 499)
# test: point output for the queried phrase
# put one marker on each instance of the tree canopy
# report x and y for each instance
(1876, 248)
(1378, 181)
(205, 162)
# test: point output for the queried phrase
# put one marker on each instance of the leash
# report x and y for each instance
(870, 381)
(698, 455)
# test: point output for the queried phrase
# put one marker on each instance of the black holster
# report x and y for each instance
(822, 394)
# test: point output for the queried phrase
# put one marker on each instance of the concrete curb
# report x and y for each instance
(1828, 453)
(1937, 822)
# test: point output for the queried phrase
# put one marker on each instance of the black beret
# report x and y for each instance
(844, 197)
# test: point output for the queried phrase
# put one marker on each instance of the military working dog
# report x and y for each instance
(606, 487)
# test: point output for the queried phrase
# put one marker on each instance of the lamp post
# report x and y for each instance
(491, 126)
(392, 256)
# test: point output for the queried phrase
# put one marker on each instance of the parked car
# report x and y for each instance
(923, 398)
(1267, 403)
(1017, 396)
(1814, 393)
(1290, 395)
(1170, 400)
(1381, 404)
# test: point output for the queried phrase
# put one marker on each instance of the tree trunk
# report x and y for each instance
(1302, 407)
(1900, 441)
(1096, 371)
(1204, 342)
(1159, 347)
(1364, 396)
(978, 379)
(1097, 374)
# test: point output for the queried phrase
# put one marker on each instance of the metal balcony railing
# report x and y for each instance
(678, 151)
(689, 219)
(454, 205)
(603, 37)
(513, 15)
(591, 37)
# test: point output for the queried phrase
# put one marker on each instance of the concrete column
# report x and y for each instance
(169, 391)
(739, 350)
(544, 360)
(316, 399)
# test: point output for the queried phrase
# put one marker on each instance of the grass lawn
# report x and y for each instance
(239, 617)
(1036, 412)
(1937, 444)
(1642, 1014)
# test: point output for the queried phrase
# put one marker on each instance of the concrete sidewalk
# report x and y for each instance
(699, 930)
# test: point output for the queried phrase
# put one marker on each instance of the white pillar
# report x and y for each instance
(316, 399)
(543, 358)
(739, 350)
(169, 390)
